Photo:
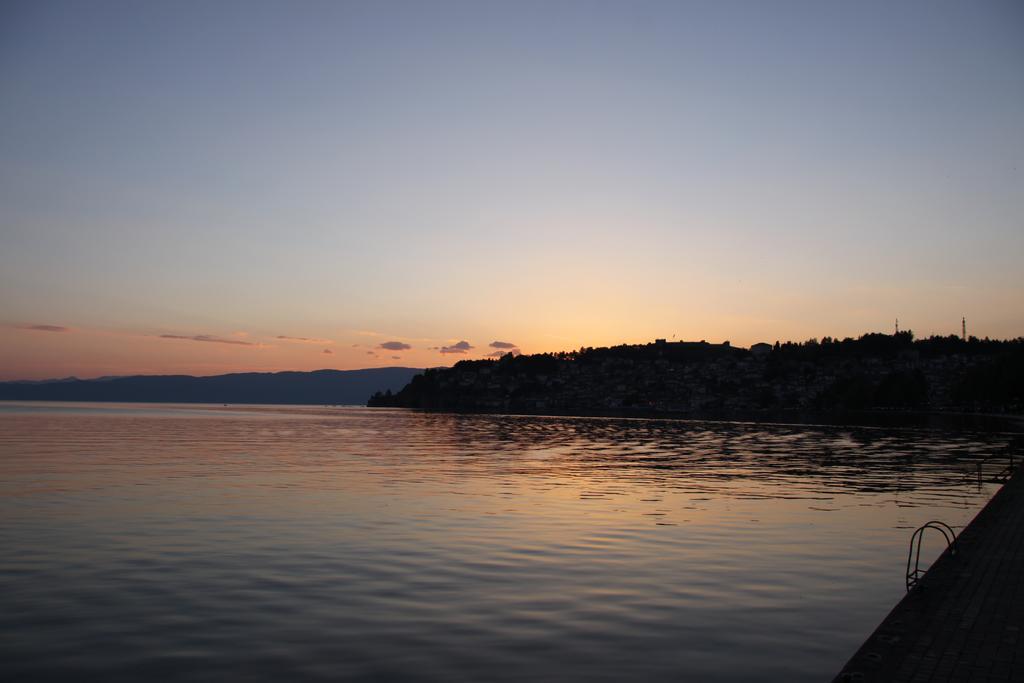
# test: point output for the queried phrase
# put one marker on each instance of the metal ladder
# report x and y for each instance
(914, 555)
(1002, 476)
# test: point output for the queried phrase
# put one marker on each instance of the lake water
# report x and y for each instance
(155, 542)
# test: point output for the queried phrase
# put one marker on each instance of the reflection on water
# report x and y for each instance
(267, 543)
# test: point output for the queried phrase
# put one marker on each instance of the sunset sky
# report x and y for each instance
(207, 187)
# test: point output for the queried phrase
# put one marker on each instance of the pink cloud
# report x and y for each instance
(458, 347)
(209, 338)
(303, 340)
(44, 328)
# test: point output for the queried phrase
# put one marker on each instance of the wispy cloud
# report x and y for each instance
(502, 345)
(209, 338)
(303, 340)
(374, 333)
(328, 352)
(44, 328)
(395, 346)
(458, 347)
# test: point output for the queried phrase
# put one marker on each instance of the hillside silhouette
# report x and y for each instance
(871, 372)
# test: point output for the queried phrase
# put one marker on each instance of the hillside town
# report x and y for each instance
(872, 372)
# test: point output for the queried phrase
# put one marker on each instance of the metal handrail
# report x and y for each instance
(1005, 473)
(914, 576)
(1016, 445)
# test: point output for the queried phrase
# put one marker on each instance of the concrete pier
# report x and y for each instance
(963, 621)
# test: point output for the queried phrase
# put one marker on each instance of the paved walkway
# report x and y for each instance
(964, 621)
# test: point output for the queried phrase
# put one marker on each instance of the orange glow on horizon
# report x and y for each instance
(46, 351)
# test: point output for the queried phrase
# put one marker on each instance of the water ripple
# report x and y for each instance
(265, 543)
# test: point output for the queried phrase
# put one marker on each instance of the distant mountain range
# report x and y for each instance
(335, 387)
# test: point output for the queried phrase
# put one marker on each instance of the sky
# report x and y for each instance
(196, 187)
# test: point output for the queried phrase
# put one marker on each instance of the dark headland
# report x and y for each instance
(875, 373)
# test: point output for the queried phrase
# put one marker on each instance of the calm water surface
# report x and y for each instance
(157, 542)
